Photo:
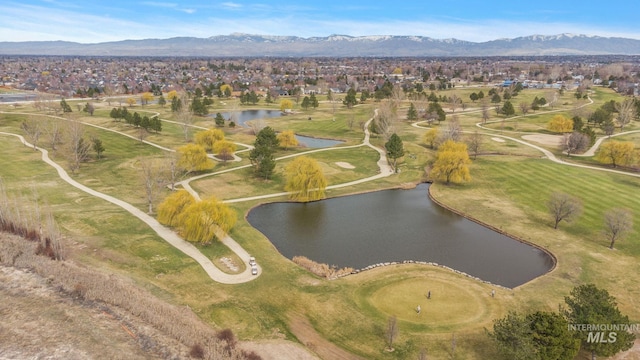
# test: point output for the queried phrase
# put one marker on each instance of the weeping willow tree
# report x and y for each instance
(206, 220)
(208, 138)
(305, 180)
(452, 163)
(197, 221)
(170, 209)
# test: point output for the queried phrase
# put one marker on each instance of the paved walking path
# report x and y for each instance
(383, 165)
(167, 234)
(547, 153)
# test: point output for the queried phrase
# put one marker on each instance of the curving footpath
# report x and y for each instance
(167, 234)
(170, 236)
(384, 169)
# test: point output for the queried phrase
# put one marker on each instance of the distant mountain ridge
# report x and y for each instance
(238, 44)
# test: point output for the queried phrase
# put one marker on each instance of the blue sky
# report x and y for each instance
(92, 21)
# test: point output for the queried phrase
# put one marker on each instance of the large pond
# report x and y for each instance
(393, 226)
(241, 118)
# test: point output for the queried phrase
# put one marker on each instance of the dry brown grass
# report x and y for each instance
(136, 310)
(323, 270)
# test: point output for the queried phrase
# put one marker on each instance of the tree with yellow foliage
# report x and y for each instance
(430, 137)
(131, 101)
(172, 95)
(560, 124)
(208, 138)
(305, 180)
(193, 157)
(616, 153)
(452, 163)
(287, 139)
(170, 209)
(286, 104)
(145, 98)
(224, 149)
(206, 220)
(226, 90)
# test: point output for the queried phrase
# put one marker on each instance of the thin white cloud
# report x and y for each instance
(231, 5)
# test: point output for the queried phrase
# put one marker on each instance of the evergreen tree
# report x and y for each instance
(261, 156)
(350, 100)
(508, 108)
(395, 150)
(97, 147)
(66, 108)
(412, 114)
(219, 119)
(590, 305)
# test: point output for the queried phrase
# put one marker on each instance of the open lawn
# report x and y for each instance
(510, 185)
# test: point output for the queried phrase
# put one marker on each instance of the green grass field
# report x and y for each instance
(508, 190)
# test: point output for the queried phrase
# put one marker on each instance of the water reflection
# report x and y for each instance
(396, 225)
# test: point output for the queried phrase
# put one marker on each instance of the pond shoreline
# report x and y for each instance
(496, 272)
(500, 231)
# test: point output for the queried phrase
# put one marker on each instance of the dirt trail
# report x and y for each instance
(306, 334)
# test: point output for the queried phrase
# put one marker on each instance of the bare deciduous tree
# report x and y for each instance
(33, 129)
(171, 168)
(77, 146)
(575, 142)
(54, 130)
(563, 206)
(391, 332)
(485, 111)
(384, 122)
(618, 222)
(151, 171)
(454, 131)
(626, 112)
(474, 143)
(455, 102)
(524, 107)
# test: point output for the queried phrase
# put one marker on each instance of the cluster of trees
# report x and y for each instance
(196, 221)
(310, 101)
(618, 222)
(145, 122)
(476, 96)
(73, 137)
(213, 140)
(249, 97)
(550, 336)
(623, 112)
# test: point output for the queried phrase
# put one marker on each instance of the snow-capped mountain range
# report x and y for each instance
(238, 44)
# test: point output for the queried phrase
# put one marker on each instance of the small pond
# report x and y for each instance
(241, 117)
(396, 225)
(316, 143)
